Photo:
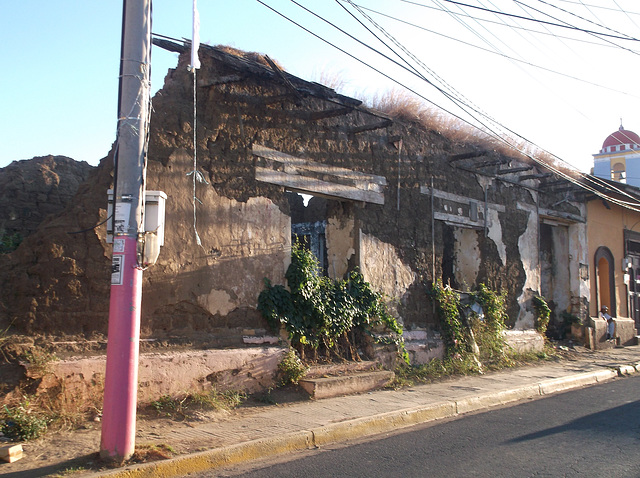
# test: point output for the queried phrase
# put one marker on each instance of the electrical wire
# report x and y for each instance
(559, 25)
(584, 19)
(545, 164)
(596, 34)
(518, 27)
(493, 52)
(586, 5)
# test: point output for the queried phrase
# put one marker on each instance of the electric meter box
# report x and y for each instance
(154, 209)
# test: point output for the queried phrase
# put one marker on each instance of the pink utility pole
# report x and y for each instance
(121, 380)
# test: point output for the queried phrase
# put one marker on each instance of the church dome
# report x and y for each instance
(621, 140)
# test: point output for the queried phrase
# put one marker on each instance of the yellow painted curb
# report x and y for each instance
(488, 400)
(384, 422)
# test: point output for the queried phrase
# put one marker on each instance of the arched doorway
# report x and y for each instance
(605, 283)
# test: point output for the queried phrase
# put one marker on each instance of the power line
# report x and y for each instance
(596, 34)
(549, 70)
(559, 25)
(513, 27)
(584, 19)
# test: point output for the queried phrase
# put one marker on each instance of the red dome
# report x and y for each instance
(620, 137)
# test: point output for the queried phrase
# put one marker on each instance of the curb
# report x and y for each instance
(356, 428)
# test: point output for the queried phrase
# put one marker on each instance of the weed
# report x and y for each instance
(69, 471)
(291, 369)
(169, 406)
(38, 362)
(183, 406)
(21, 422)
(145, 453)
(9, 242)
(543, 314)
(318, 311)
(266, 397)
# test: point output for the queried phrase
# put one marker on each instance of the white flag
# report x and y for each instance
(195, 37)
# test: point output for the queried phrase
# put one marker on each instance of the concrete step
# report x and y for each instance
(344, 368)
(335, 386)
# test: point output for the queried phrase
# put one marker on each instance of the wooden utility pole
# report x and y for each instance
(121, 380)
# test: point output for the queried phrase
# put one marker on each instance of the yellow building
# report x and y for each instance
(613, 235)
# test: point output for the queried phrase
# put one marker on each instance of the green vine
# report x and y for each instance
(468, 337)
(317, 310)
(489, 332)
(448, 309)
(543, 313)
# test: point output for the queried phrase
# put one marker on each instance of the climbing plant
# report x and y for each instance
(543, 313)
(317, 310)
(470, 337)
(448, 308)
(489, 331)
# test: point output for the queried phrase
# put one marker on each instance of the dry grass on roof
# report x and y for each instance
(249, 55)
(403, 106)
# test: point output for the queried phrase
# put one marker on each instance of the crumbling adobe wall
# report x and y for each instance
(57, 281)
(244, 224)
(31, 190)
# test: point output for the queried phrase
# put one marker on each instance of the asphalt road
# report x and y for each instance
(591, 432)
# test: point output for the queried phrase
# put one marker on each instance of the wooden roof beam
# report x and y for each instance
(322, 114)
(472, 154)
(524, 177)
(369, 127)
(514, 170)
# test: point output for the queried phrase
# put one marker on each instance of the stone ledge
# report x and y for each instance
(326, 387)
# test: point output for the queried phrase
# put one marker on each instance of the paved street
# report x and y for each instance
(590, 432)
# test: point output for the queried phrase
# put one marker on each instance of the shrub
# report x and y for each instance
(291, 369)
(318, 311)
(22, 423)
(543, 314)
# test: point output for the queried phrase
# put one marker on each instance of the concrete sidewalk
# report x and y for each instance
(270, 430)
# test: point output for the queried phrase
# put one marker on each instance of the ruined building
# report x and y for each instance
(403, 203)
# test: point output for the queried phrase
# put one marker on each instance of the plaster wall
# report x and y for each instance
(467, 256)
(340, 245)
(606, 228)
(528, 249)
(579, 265)
(383, 269)
(250, 369)
(241, 243)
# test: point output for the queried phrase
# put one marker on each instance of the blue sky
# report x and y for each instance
(61, 60)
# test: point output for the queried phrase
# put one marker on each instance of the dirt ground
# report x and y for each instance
(64, 452)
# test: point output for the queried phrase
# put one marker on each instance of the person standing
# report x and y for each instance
(604, 314)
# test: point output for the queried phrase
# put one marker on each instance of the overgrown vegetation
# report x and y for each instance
(10, 242)
(472, 331)
(185, 405)
(22, 421)
(543, 314)
(318, 311)
(291, 369)
(408, 107)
